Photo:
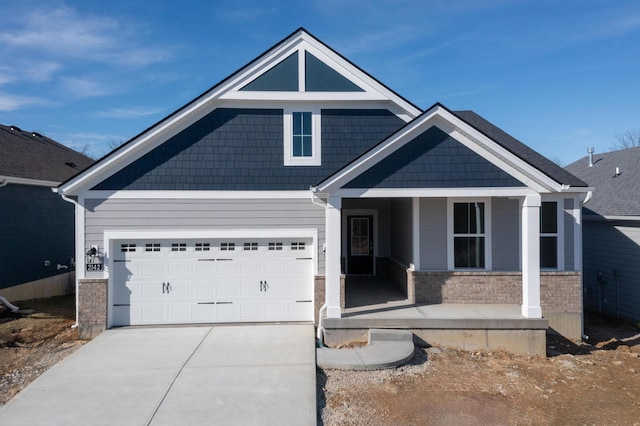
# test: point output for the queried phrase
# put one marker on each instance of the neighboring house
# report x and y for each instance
(261, 198)
(36, 225)
(611, 232)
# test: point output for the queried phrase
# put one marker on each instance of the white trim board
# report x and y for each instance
(197, 195)
(27, 181)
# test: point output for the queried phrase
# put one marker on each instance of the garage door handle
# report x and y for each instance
(169, 288)
(164, 288)
(264, 286)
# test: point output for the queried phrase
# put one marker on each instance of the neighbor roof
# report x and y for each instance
(519, 149)
(30, 155)
(613, 195)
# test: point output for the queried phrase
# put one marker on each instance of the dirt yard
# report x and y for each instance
(592, 384)
(589, 384)
(32, 344)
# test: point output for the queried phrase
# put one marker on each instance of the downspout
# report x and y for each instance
(587, 198)
(75, 203)
(4, 183)
(323, 308)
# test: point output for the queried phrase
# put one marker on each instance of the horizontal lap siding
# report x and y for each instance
(150, 214)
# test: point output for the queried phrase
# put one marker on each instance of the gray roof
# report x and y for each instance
(612, 195)
(31, 155)
(519, 149)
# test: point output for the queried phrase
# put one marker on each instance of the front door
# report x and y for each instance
(360, 245)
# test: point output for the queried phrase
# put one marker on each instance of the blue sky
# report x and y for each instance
(558, 75)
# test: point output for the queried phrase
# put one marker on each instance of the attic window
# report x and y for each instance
(302, 137)
(71, 164)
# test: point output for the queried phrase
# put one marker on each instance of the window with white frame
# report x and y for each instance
(549, 234)
(302, 137)
(469, 235)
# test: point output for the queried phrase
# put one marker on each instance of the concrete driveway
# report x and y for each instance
(231, 375)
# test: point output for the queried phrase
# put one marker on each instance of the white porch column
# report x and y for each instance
(531, 257)
(333, 233)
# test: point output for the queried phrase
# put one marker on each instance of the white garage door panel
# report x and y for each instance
(168, 281)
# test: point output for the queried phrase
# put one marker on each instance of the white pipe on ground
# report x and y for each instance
(320, 334)
(5, 302)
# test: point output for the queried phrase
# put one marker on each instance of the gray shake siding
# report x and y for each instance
(613, 249)
(158, 214)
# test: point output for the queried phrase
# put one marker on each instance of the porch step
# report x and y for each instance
(386, 349)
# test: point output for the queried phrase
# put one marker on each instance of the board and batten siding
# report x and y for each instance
(190, 214)
(433, 234)
(613, 249)
(505, 224)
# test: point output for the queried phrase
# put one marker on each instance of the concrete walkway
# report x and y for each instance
(231, 375)
(385, 349)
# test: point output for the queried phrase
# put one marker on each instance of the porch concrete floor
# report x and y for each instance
(374, 303)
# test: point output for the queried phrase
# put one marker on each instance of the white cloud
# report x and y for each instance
(134, 112)
(85, 88)
(65, 32)
(14, 102)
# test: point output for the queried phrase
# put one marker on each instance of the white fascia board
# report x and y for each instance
(501, 157)
(27, 181)
(136, 149)
(433, 192)
(198, 195)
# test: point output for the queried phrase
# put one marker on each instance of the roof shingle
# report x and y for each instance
(613, 195)
(31, 155)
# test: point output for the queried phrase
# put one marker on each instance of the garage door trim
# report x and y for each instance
(110, 238)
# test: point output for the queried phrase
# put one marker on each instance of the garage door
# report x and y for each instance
(208, 281)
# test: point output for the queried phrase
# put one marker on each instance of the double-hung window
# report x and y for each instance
(549, 234)
(302, 137)
(469, 235)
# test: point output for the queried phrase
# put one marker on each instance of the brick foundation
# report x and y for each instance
(92, 307)
(561, 294)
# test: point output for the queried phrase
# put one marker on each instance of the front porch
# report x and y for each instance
(377, 303)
